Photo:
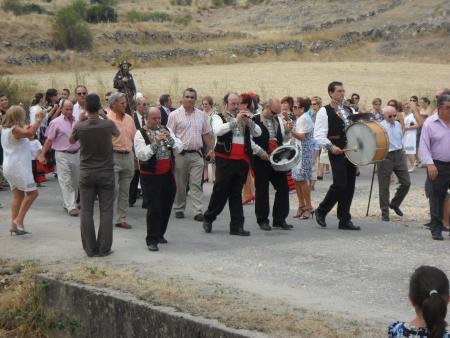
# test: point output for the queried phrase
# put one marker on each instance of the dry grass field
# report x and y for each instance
(386, 80)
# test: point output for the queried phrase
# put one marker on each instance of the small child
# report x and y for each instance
(429, 295)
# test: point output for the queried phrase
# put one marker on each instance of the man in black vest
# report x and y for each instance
(329, 133)
(233, 150)
(154, 146)
(139, 117)
(273, 134)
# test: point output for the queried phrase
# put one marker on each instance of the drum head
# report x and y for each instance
(284, 158)
(361, 138)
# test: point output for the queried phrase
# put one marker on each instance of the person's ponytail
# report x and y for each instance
(434, 309)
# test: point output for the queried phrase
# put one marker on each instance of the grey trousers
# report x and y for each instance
(189, 169)
(394, 163)
(91, 185)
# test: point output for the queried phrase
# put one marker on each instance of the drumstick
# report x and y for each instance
(350, 149)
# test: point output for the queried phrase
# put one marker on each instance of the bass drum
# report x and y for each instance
(284, 158)
(367, 142)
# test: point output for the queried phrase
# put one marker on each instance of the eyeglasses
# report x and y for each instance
(412, 100)
(81, 93)
(314, 103)
(296, 107)
(190, 97)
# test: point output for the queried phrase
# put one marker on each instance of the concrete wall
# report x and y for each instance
(109, 313)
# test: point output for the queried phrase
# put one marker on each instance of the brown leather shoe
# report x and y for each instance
(73, 212)
(123, 225)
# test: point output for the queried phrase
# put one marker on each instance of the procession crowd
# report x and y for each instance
(126, 148)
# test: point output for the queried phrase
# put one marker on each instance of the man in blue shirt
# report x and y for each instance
(395, 162)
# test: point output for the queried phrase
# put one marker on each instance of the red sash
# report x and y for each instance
(237, 153)
(161, 167)
(273, 144)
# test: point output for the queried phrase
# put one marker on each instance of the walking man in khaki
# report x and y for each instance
(190, 126)
(123, 155)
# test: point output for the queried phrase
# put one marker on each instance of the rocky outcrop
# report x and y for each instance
(29, 59)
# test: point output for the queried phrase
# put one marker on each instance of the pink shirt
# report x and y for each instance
(434, 141)
(59, 132)
(189, 127)
(127, 128)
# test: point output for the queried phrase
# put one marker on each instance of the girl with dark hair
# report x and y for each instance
(429, 295)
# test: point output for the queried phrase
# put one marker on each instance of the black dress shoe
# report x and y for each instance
(240, 232)
(162, 240)
(283, 226)
(207, 226)
(265, 225)
(153, 247)
(104, 254)
(385, 218)
(437, 236)
(179, 214)
(320, 218)
(199, 218)
(396, 210)
(348, 226)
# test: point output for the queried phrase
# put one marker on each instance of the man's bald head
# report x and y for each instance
(67, 108)
(443, 91)
(273, 107)
(154, 118)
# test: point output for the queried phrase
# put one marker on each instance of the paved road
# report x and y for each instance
(363, 274)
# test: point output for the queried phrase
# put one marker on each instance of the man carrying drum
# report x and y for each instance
(329, 132)
(274, 132)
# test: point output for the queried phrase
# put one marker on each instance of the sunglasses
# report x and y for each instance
(296, 107)
(314, 103)
(81, 93)
(413, 100)
(190, 97)
(391, 116)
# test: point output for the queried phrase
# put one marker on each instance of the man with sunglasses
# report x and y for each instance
(66, 154)
(274, 132)
(79, 106)
(395, 163)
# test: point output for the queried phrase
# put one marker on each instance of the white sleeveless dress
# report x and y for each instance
(410, 136)
(17, 157)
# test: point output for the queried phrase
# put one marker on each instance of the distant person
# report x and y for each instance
(19, 151)
(79, 106)
(65, 94)
(165, 103)
(124, 83)
(410, 136)
(191, 126)
(394, 162)
(428, 294)
(435, 155)
(96, 177)
(209, 111)
(123, 155)
(354, 102)
(377, 111)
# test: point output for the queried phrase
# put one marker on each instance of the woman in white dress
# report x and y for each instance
(209, 111)
(18, 152)
(410, 136)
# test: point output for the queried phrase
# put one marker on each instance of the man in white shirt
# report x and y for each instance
(79, 106)
(329, 132)
(233, 150)
(394, 162)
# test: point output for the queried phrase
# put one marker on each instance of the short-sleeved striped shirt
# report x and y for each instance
(189, 127)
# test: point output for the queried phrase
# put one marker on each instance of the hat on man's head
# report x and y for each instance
(125, 62)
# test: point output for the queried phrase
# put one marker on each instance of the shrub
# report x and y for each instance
(220, 3)
(254, 2)
(71, 31)
(21, 9)
(101, 13)
(184, 20)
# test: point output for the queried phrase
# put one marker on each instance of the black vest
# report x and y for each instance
(225, 142)
(137, 116)
(336, 127)
(263, 140)
(150, 164)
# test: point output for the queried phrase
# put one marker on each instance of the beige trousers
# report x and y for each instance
(189, 170)
(123, 174)
(68, 169)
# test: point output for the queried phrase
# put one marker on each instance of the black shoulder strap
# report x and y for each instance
(145, 136)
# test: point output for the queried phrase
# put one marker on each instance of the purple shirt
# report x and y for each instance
(434, 141)
(59, 132)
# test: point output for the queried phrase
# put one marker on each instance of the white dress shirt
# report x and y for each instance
(395, 134)
(77, 109)
(145, 151)
(321, 126)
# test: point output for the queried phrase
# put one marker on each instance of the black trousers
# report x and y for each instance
(132, 196)
(342, 189)
(159, 192)
(230, 178)
(438, 193)
(264, 174)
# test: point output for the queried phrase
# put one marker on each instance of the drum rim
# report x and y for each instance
(286, 146)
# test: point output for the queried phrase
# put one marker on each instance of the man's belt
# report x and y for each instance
(121, 152)
(69, 151)
(190, 151)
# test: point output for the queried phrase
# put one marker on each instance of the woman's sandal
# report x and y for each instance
(300, 212)
(307, 214)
